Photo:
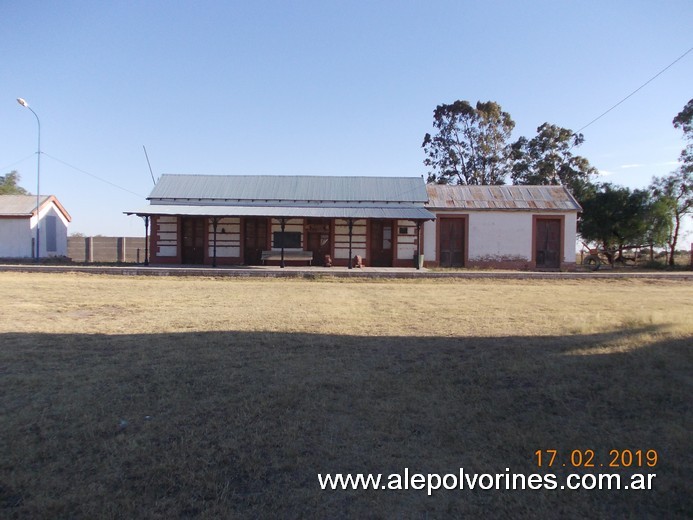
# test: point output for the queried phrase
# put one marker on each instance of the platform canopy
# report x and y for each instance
(404, 213)
(288, 197)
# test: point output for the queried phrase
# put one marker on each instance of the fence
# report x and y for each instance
(106, 249)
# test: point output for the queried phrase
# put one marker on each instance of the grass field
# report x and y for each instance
(141, 397)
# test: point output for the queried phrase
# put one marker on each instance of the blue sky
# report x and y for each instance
(320, 87)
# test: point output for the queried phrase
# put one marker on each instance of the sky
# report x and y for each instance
(330, 87)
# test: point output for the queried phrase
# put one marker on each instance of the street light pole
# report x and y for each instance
(38, 181)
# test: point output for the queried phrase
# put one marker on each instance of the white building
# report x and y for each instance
(507, 227)
(18, 219)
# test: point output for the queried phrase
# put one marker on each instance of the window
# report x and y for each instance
(51, 234)
(292, 239)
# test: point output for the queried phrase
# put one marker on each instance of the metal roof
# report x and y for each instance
(395, 212)
(555, 198)
(24, 206)
(290, 188)
(19, 205)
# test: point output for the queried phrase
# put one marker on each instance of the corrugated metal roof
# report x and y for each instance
(396, 212)
(290, 188)
(501, 197)
(19, 205)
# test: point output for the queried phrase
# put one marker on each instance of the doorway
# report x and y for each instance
(548, 243)
(319, 239)
(193, 252)
(381, 243)
(451, 248)
(254, 240)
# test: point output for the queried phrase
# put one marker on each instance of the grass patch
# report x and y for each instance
(174, 398)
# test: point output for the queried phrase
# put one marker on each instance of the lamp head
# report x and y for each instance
(22, 102)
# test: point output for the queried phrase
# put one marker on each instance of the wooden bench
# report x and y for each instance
(289, 254)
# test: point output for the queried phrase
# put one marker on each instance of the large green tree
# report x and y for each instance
(470, 145)
(675, 193)
(684, 121)
(548, 159)
(9, 184)
(615, 217)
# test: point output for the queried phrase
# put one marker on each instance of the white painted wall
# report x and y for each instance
(406, 242)
(497, 235)
(15, 238)
(16, 235)
(60, 232)
(167, 229)
(501, 235)
(429, 241)
(228, 237)
(358, 239)
(569, 254)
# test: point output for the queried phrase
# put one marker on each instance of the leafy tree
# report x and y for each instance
(615, 217)
(684, 121)
(470, 145)
(675, 193)
(658, 225)
(9, 184)
(547, 159)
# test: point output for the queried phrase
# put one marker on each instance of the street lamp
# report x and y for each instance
(38, 180)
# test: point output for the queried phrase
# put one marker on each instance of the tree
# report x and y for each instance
(547, 159)
(615, 217)
(659, 225)
(684, 121)
(471, 144)
(675, 193)
(9, 184)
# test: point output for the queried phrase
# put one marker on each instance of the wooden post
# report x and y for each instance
(146, 240)
(215, 223)
(283, 224)
(351, 234)
(418, 244)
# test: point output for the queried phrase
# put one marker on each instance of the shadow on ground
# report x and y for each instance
(239, 425)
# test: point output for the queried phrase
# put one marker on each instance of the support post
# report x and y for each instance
(418, 244)
(215, 223)
(283, 224)
(351, 234)
(146, 240)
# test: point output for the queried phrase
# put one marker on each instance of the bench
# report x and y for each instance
(289, 254)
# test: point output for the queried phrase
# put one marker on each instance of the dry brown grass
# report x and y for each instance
(237, 393)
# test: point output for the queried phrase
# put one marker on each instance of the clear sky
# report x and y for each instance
(320, 87)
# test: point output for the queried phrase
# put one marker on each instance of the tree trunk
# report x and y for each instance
(674, 239)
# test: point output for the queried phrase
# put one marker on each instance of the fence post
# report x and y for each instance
(120, 249)
(89, 250)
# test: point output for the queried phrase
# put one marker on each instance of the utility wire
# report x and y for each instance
(636, 90)
(16, 162)
(92, 175)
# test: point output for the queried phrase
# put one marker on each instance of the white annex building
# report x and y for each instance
(507, 227)
(18, 220)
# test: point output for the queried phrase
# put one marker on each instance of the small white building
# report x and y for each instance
(505, 227)
(18, 220)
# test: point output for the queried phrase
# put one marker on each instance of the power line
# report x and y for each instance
(93, 176)
(636, 90)
(17, 162)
